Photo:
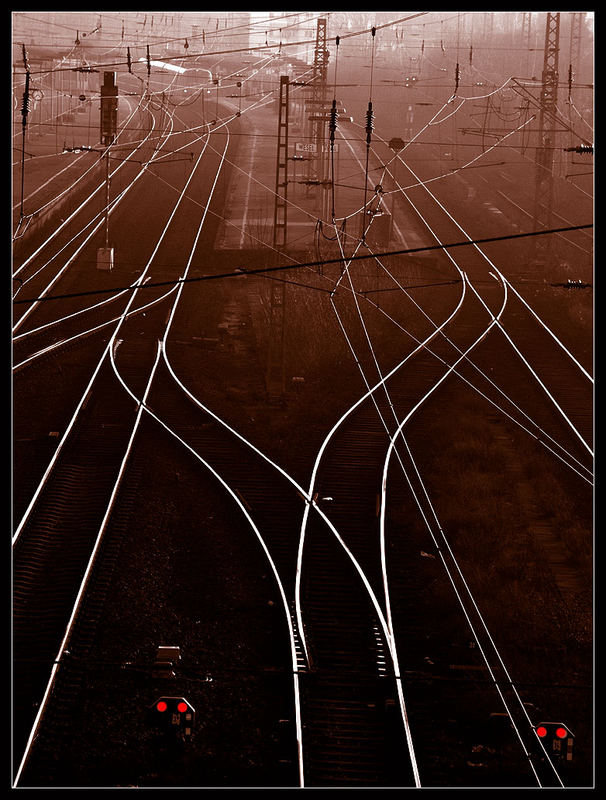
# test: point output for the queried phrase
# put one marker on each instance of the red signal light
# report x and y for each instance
(556, 738)
(174, 714)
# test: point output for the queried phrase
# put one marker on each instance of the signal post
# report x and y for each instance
(108, 129)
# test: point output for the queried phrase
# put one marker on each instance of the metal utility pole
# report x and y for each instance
(24, 112)
(526, 29)
(275, 375)
(543, 206)
(574, 62)
(25, 106)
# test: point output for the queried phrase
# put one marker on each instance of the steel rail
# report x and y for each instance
(107, 350)
(67, 221)
(69, 166)
(82, 334)
(499, 408)
(236, 497)
(402, 190)
(110, 208)
(84, 582)
(483, 374)
(439, 549)
(502, 277)
(391, 448)
(310, 492)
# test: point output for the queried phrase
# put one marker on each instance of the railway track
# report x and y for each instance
(55, 540)
(53, 549)
(342, 629)
(355, 641)
(531, 761)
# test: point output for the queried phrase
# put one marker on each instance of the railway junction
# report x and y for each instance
(302, 380)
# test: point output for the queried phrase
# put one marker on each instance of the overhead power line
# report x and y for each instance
(283, 45)
(344, 259)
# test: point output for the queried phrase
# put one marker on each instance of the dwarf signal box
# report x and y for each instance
(557, 739)
(174, 714)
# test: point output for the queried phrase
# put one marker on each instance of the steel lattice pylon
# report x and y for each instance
(575, 39)
(280, 198)
(275, 377)
(318, 101)
(543, 207)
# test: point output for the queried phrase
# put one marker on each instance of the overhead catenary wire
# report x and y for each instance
(257, 271)
(278, 278)
(400, 433)
(542, 437)
(235, 50)
(495, 90)
(268, 276)
(508, 283)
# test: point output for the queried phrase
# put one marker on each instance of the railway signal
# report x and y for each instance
(109, 108)
(109, 125)
(557, 739)
(174, 715)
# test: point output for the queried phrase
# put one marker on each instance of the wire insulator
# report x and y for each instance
(332, 125)
(26, 99)
(369, 122)
(569, 82)
(581, 148)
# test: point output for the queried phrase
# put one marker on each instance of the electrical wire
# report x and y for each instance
(261, 270)
(233, 51)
